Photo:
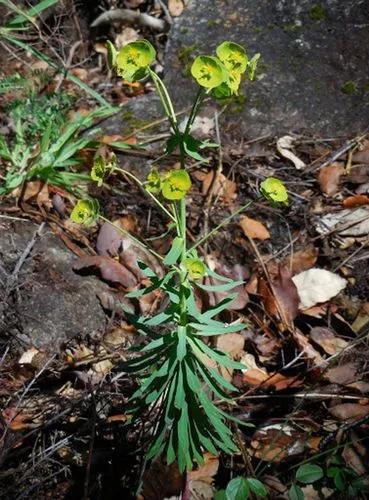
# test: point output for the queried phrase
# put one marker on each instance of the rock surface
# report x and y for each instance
(313, 74)
(47, 303)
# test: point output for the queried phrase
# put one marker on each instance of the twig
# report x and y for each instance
(27, 251)
(130, 16)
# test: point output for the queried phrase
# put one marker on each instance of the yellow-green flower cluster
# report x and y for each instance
(173, 185)
(85, 212)
(195, 268)
(274, 190)
(133, 60)
(104, 163)
(222, 74)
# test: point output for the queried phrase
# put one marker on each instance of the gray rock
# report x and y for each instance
(314, 69)
(50, 302)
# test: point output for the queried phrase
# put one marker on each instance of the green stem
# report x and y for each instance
(196, 105)
(133, 238)
(165, 99)
(137, 180)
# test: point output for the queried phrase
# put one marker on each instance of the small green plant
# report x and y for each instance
(51, 156)
(178, 368)
(240, 488)
(305, 474)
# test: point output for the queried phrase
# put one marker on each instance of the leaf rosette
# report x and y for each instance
(176, 184)
(85, 212)
(208, 71)
(133, 60)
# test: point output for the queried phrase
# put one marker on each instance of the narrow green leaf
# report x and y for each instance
(219, 288)
(220, 358)
(224, 304)
(175, 252)
(217, 329)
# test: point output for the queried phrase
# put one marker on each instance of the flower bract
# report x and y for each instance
(208, 71)
(274, 190)
(133, 60)
(233, 56)
(103, 164)
(153, 182)
(176, 184)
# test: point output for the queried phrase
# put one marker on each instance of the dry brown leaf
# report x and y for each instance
(37, 191)
(327, 340)
(110, 270)
(302, 260)
(232, 344)
(356, 201)
(342, 374)
(207, 471)
(275, 443)
(361, 156)
(349, 411)
(353, 460)
(223, 187)
(175, 7)
(253, 228)
(308, 349)
(329, 178)
(282, 301)
(256, 376)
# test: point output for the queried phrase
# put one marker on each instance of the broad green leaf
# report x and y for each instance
(257, 487)
(174, 252)
(191, 147)
(295, 493)
(309, 473)
(237, 489)
(220, 495)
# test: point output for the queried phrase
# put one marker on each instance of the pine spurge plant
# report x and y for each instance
(177, 367)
